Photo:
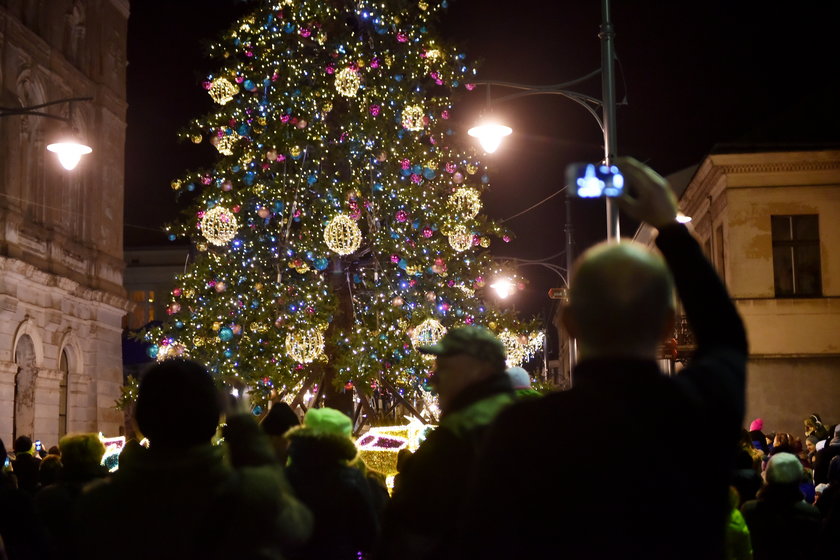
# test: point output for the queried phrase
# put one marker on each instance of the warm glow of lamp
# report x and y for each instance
(69, 153)
(504, 287)
(490, 135)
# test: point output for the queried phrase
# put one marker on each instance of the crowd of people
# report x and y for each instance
(506, 474)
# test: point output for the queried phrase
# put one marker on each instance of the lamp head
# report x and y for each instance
(490, 135)
(69, 151)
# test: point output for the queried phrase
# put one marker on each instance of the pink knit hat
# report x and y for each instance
(757, 425)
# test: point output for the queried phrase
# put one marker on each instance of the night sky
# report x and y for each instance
(692, 77)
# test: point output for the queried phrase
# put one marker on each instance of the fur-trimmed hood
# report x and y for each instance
(317, 450)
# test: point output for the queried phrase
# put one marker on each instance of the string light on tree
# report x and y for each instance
(219, 226)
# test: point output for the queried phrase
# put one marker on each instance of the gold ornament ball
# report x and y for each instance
(223, 90)
(460, 238)
(429, 331)
(305, 346)
(431, 296)
(327, 107)
(347, 82)
(472, 168)
(216, 326)
(342, 235)
(397, 301)
(219, 226)
(271, 155)
(301, 123)
(196, 138)
(484, 242)
(226, 143)
(263, 212)
(220, 287)
(465, 203)
(295, 151)
(175, 185)
(413, 118)
(258, 286)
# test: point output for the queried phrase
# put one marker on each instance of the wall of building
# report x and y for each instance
(61, 260)
(794, 365)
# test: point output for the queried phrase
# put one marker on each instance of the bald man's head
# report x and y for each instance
(621, 301)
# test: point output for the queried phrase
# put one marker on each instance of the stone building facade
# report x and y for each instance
(61, 257)
(770, 223)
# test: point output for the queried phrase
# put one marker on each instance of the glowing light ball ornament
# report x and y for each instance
(222, 90)
(219, 226)
(429, 331)
(465, 203)
(342, 235)
(305, 346)
(347, 82)
(460, 238)
(413, 118)
(226, 143)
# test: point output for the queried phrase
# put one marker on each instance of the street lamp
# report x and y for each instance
(491, 135)
(68, 149)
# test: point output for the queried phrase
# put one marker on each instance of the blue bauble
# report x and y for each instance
(278, 206)
(312, 179)
(249, 178)
(416, 169)
(172, 237)
(225, 334)
(429, 173)
(228, 353)
(257, 410)
(249, 85)
(179, 324)
(289, 28)
(152, 351)
(243, 130)
(378, 187)
(398, 77)
(402, 264)
(485, 179)
(321, 263)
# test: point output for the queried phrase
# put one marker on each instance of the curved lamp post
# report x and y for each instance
(490, 134)
(68, 149)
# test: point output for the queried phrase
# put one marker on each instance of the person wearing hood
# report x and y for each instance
(321, 472)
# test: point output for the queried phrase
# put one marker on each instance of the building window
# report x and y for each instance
(796, 255)
(144, 310)
(64, 367)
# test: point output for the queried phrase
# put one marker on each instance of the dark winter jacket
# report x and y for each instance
(26, 468)
(782, 525)
(54, 505)
(339, 496)
(205, 501)
(824, 457)
(548, 486)
(19, 528)
(421, 519)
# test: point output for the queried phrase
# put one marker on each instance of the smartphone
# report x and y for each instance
(38, 445)
(594, 180)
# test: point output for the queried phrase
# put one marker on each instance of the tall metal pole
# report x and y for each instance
(608, 108)
(570, 259)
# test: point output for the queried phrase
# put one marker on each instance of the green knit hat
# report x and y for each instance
(328, 421)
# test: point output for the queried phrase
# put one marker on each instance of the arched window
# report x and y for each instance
(24, 418)
(64, 367)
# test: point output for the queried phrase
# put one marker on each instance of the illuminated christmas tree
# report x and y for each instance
(342, 224)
